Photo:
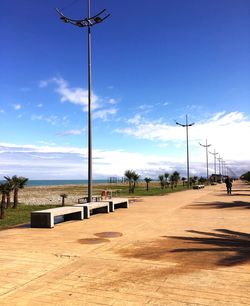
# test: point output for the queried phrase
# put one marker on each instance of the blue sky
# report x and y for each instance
(153, 63)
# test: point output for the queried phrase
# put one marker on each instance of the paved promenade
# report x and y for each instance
(187, 248)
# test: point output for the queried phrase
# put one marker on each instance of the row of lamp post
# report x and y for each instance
(222, 169)
(89, 22)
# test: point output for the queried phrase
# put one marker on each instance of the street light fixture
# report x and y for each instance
(206, 146)
(88, 22)
(186, 126)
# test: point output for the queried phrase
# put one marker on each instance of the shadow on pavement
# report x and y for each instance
(235, 194)
(220, 205)
(202, 250)
(235, 244)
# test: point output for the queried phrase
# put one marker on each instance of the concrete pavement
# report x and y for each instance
(186, 248)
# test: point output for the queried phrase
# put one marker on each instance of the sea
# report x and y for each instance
(32, 183)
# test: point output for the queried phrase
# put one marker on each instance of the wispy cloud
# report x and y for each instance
(17, 106)
(72, 132)
(2, 111)
(79, 96)
(52, 119)
(51, 161)
(104, 113)
(40, 105)
(226, 131)
(112, 101)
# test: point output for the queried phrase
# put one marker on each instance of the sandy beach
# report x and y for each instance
(186, 248)
(43, 195)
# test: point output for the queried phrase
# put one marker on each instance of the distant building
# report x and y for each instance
(217, 178)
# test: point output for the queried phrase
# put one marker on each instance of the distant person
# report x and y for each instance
(228, 183)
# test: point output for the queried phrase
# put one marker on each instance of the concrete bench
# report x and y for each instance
(117, 203)
(198, 186)
(45, 218)
(93, 207)
(84, 200)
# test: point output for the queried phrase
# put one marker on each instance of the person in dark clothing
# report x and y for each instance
(228, 183)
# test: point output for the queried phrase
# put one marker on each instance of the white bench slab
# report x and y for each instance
(84, 199)
(45, 218)
(198, 186)
(93, 207)
(117, 203)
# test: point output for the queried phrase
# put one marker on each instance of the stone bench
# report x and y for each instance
(93, 207)
(117, 203)
(45, 218)
(84, 200)
(198, 186)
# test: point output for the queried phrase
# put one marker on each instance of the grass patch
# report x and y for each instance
(20, 215)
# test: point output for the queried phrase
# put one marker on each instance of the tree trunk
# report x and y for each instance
(2, 213)
(15, 198)
(63, 201)
(147, 186)
(8, 200)
(129, 188)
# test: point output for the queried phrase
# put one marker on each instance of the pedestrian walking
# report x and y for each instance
(229, 184)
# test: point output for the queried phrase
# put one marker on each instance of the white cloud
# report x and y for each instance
(44, 83)
(226, 131)
(72, 132)
(104, 113)
(53, 119)
(75, 95)
(135, 120)
(40, 105)
(51, 161)
(112, 101)
(2, 111)
(79, 96)
(145, 107)
(17, 106)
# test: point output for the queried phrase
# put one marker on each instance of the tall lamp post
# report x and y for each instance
(187, 125)
(219, 160)
(214, 154)
(88, 22)
(206, 146)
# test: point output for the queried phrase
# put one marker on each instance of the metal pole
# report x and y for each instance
(89, 111)
(219, 159)
(207, 157)
(214, 162)
(206, 146)
(88, 22)
(187, 125)
(187, 153)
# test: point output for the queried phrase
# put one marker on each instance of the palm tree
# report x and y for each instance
(136, 177)
(63, 196)
(166, 176)
(129, 175)
(3, 191)
(162, 182)
(9, 189)
(176, 175)
(18, 182)
(147, 180)
(172, 180)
